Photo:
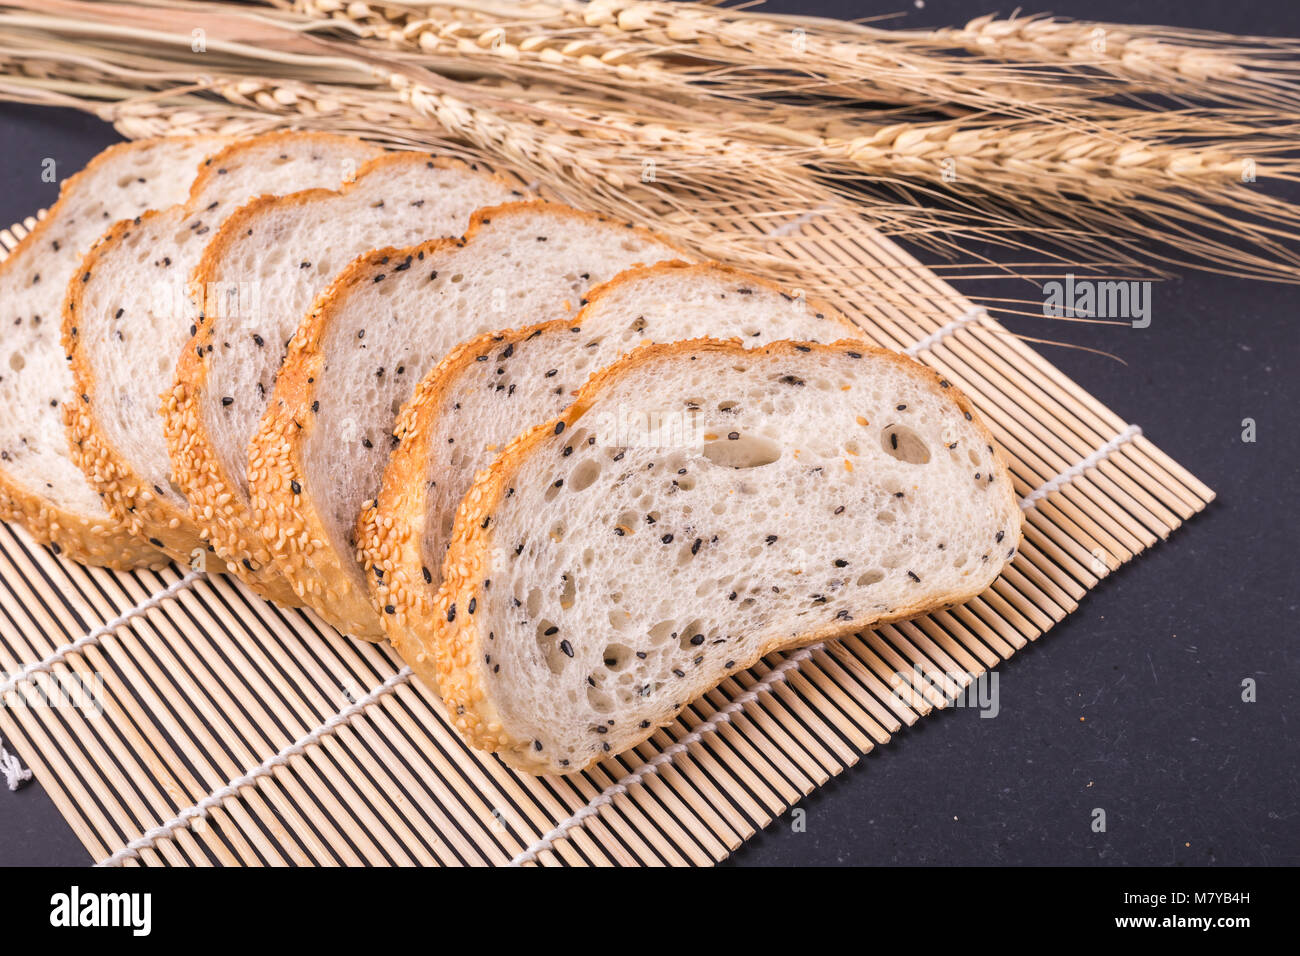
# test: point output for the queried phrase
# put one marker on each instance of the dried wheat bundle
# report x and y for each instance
(678, 115)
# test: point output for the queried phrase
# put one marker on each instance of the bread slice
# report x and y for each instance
(262, 271)
(127, 316)
(387, 321)
(493, 388)
(697, 507)
(40, 485)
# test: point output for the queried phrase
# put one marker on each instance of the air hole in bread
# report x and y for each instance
(870, 577)
(662, 632)
(902, 443)
(746, 450)
(584, 475)
(552, 646)
(17, 362)
(692, 635)
(568, 589)
(616, 656)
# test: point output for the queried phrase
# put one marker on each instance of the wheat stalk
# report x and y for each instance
(568, 107)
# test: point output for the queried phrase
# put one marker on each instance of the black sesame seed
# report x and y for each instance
(559, 427)
(451, 613)
(297, 488)
(771, 539)
(227, 401)
(695, 548)
(913, 576)
(841, 563)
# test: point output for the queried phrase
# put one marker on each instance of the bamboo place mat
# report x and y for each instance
(233, 731)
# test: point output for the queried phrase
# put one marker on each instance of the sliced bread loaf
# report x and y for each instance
(40, 484)
(261, 273)
(128, 314)
(387, 321)
(493, 388)
(697, 507)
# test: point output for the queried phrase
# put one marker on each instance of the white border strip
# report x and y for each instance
(201, 809)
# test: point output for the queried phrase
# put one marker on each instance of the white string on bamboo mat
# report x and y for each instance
(724, 715)
(793, 226)
(651, 767)
(1065, 477)
(14, 773)
(778, 675)
(12, 768)
(214, 799)
(941, 333)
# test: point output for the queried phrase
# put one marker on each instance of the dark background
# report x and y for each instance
(1154, 658)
